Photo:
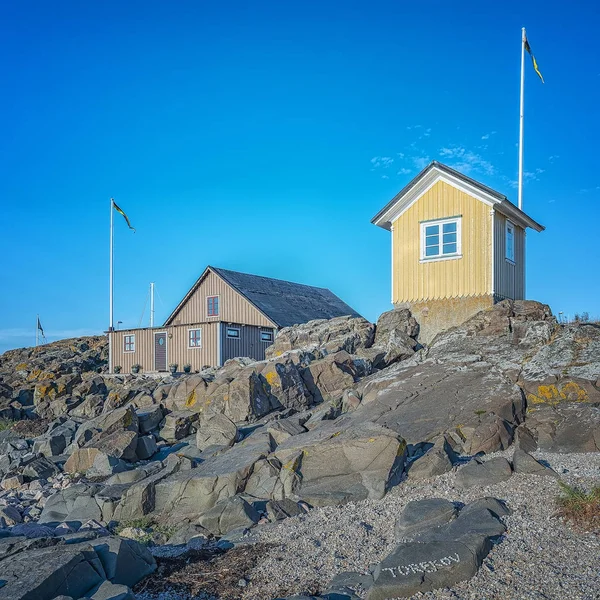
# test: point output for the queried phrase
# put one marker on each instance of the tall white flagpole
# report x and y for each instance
(152, 304)
(110, 285)
(523, 38)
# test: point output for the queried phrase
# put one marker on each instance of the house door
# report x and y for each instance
(160, 351)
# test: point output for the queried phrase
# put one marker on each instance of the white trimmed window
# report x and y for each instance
(510, 241)
(233, 333)
(441, 239)
(266, 336)
(129, 343)
(194, 338)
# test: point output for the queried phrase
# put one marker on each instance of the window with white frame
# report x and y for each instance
(266, 336)
(129, 343)
(233, 333)
(510, 241)
(212, 306)
(194, 338)
(441, 239)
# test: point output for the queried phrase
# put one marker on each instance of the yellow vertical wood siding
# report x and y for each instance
(233, 307)
(509, 278)
(471, 275)
(177, 347)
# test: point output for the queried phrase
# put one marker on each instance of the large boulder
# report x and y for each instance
(216, 430)
(226, 515)
(330, 336)
(335, 465)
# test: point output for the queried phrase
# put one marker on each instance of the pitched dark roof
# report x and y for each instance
(284, 302)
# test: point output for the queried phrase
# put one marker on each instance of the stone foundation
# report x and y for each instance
(435, 316)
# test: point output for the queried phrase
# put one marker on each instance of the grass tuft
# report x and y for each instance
(579, 506)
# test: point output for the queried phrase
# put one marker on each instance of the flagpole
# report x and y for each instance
(110, 285)
(523, 38)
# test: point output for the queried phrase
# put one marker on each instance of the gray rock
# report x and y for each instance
(32, 530)
(125, 562)
(9, 515)
(480, 473)
(420, 515)
(495, 506)
(176, 425)
(70, 570)
(149, 418)
(216, 430)
(277, 510)
(525, 440)
(146, 447)
(436, 461)
(229, 514)
(525, 463)
(75, 503)
(335, 465)
(40, 468)
(424, 566)
(283, 429)
(111, 591)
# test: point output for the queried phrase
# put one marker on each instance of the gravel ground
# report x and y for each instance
(539, 558)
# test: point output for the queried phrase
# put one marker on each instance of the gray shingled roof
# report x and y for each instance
(284, 302)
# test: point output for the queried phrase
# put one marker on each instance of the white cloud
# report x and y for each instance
(487, 136)
(421, 162)
(28, 335)
(466, 161)
(403, 171)
(384, 177)
(382, 161)
(400, 154)
(553, 157)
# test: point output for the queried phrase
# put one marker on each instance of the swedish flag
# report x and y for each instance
(120, 211)
(535, 65)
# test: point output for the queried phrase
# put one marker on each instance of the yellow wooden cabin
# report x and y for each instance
(457, 247)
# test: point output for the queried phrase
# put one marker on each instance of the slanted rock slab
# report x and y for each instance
(482, 473)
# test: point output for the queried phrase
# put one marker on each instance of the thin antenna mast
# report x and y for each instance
(152, 304)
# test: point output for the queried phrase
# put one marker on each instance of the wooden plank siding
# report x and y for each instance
(233, 307)
(248, 344)
(509, 278)
(178, 350)
(471, 275)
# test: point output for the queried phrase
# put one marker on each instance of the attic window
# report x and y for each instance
(212, 306)
(510, 241)
(441, 239)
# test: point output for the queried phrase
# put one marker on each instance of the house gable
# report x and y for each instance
(437, 172)
(233, 306)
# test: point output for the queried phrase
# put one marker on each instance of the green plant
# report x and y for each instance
(6, 424)
(579, 506)
(117, 369)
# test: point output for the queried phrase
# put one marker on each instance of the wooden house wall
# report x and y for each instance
(248, 344)
(509, 277)
(470, 275)
(178, 350)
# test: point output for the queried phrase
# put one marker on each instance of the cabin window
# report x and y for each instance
(194, 338)
(212, 306)
(266, 336)
(440, 239)
(233, 333)
(129, 343)
(510, 241)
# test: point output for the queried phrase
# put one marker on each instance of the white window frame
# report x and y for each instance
(269, 333)
(190, 347)
(440, 223)
(233, 337)
(218, 306)
(509, 227)
(132, 336)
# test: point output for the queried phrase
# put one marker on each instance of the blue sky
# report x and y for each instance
(264, 136)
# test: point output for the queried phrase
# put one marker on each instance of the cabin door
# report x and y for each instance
(160, 351)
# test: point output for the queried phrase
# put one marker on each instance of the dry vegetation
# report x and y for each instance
(580, 507)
